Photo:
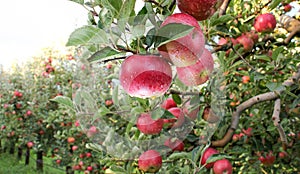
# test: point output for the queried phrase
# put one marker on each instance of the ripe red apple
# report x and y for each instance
(282, 155)
(265, 22)
(253, 35)
(74, 148)
(199, 9)
(92, 131)
(18, 94)
(206, 154)
(198, 73)
(248, 131)
(77, 123)
(179, 114)
(268, 159)
(71, 140)
(149, 126)
(108, 102)
(168, 103)
(150, 161)
(235, 137)
(287, 7)
(88, 154)
(58, 161)
(246, 42)
(145, 75)
(89, 168)
(30, 144)
(175, 144)
(222, 166)
(186, 50)
(245, 79)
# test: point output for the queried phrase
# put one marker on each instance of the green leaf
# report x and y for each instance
(177, 99)
(276, 52)
(180, 155)
(115, 95)
(114, 6)
(157, 113)
(274, 4)
(63, 100)
(81, 2)
(171, 32)
(222, 19)
(118, 169)
(125, 12)
(263, 57)
(138, 31)
(216, 157)
(87, 35)
(106, 53)
(273, 86)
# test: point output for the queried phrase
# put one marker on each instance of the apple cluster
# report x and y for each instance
(147, 76)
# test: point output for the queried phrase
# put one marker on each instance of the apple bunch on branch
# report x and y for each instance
(165, 60)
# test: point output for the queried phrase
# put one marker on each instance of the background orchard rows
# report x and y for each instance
(36, 98)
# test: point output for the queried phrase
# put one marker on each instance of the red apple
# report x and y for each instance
(30, 144)
(92, 131)
(199, 9)
(282, 155)
(222, 41)
(58, 161)
(248, 131)
(198, 73)
(246, 42)
(168, 103)
(150, 161)
(149, 126)
(245, 79)
(71, 140)
(89, 168)
(145, 75)
(252, 35)
(179, 114)
(88, 154)
(175, 144)
(108, 102)
(265, 22)
(206, 154)
(74, 148)
(186, 50)
(235, 137)
(287, 7)
(222, 166)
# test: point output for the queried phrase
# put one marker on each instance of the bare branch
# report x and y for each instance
(249, 103)
(223, 7)
(276, 120)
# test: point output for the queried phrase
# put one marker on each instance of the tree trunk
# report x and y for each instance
(69, 170)
(39, 160)
(20, 151)
(27, 156)
(12, 147)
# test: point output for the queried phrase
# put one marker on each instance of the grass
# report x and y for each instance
(10, 165)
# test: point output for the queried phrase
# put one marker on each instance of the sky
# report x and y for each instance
(28, 26)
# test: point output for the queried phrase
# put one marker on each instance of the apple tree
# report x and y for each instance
(220, 78)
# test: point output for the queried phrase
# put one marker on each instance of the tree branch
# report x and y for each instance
(223, 7)
(276, 120)
(249, 103)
